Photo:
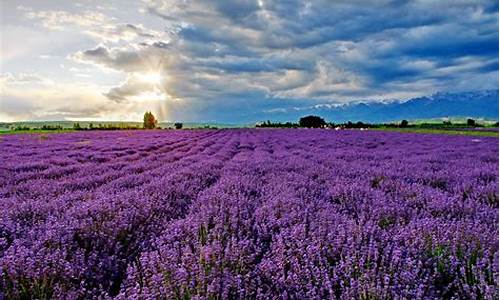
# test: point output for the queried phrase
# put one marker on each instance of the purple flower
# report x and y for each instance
(264, 214)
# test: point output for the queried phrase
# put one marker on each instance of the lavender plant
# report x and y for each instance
(248, 214)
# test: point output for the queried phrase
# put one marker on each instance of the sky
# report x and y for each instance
(235, 61)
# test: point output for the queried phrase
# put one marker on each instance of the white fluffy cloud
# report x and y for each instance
(93, 23)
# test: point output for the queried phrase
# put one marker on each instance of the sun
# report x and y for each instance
(152, 77)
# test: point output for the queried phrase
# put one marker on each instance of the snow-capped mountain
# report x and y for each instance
(477, 104)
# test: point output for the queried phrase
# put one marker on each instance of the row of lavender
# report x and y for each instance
(248, 214)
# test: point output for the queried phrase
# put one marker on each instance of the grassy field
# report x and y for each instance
(404, 130)
(440, 131)
(7, 126)
(34, 131)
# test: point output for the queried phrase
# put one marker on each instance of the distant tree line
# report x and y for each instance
(277, 124)
(43, 127)
(313, 122)
(76, 126)
(318, 122)
(308, 121)
(150, 122)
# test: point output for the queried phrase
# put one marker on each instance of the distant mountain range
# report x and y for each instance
(477, 104)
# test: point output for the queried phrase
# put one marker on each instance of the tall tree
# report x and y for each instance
(312, 121)
(149, 120)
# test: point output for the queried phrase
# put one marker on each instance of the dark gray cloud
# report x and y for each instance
(128, 61)
(145, 58)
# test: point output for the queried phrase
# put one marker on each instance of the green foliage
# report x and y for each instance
(386, 222)
(28, 288)
(149, 121)
(404, 123)
(22, 128)
(178, 125)
(312, 122)
(358, 124)
(376, 181)
(471, 122)
(121, 126)
(277, 125)
(51, 127)
(440, 131)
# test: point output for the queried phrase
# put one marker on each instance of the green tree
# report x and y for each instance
(312, 122)
(178, 125)
(471, 122)
(149, 120)
(404, 123)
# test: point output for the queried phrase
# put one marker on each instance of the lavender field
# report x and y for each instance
(248, 214)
